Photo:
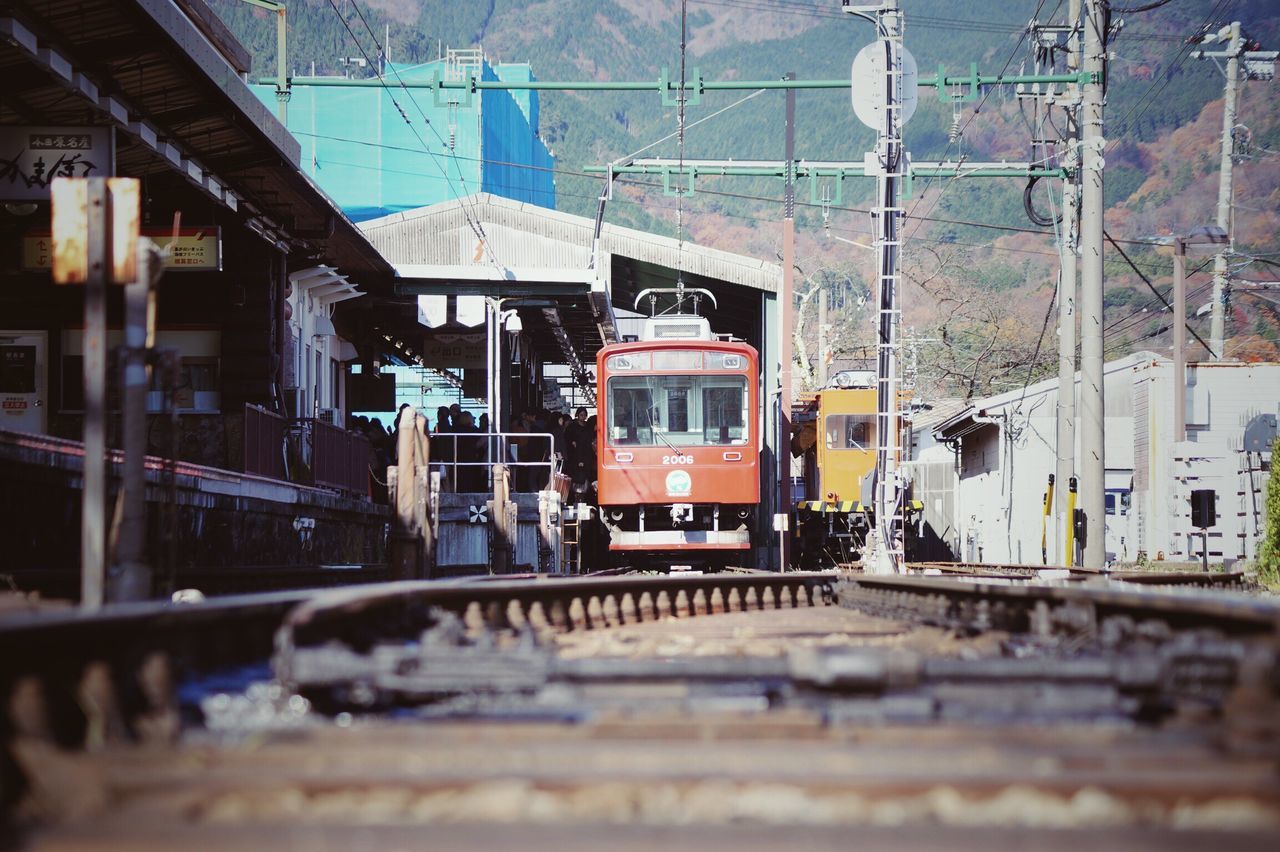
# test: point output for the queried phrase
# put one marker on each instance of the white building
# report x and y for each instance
(313, 374)
(1004, 452)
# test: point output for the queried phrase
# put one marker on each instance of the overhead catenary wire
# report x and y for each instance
(565, 172)
(1152, 95)
(472, 221)
(959, 137)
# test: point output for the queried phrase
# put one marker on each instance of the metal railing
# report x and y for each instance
(482, 450)
(263, 442)
(339, 459)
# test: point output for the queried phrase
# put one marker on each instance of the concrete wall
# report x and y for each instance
(1221, 400)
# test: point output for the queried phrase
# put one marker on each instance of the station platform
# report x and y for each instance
(216, 530)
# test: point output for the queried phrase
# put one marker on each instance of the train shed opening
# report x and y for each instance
(521, 279)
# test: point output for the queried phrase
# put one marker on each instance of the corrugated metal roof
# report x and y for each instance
(527, 236)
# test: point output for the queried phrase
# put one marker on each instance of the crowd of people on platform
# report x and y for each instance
(458, 446)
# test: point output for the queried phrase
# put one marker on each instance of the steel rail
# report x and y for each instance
(1028, 607)
(1140, 577)
(560, 603)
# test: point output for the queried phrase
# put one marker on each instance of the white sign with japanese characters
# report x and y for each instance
(31, 157)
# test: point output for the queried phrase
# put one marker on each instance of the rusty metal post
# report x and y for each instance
(422, 499)
(406, 535)
(501, 546)
(93, 506)
(94, 229)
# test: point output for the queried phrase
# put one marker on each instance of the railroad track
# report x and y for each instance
(924, 701)
(1219, 579)
(126, 662)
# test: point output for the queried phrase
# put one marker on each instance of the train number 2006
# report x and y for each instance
(677, 459)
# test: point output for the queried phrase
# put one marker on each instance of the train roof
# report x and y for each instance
(704, 345)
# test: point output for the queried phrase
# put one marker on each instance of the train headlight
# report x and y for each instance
(615, 514)
(744, 513)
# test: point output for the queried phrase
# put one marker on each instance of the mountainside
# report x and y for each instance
(981, 290)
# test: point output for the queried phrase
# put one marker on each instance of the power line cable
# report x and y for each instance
(468, 212)
(959, 137)
(1152, 288)
(1145, 102)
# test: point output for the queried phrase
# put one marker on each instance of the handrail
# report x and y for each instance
(449, 464)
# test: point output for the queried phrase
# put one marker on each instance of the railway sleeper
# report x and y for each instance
(450, 671)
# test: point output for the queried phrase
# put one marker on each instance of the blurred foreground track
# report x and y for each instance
(596, 713)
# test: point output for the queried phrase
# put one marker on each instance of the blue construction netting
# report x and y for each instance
(378, 150)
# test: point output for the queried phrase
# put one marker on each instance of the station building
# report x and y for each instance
(275, 310)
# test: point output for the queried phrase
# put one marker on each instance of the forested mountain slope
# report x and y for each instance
(978, 286)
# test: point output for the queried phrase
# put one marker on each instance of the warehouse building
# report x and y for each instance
(1004, 450)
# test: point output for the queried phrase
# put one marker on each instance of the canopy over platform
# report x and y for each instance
(539, 260)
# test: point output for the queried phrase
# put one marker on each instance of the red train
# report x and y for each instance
(679, 442)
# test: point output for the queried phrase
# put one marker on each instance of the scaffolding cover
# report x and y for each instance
(379, 150)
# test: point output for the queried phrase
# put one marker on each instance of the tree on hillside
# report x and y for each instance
(981, 345)
(849, 319)
(1269, 547)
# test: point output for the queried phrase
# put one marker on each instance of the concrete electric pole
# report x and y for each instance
(1067, 291)
(1257, 65)
(1092, 464)
(1221, 286)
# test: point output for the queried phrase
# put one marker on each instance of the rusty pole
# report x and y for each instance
(786, 321)
(406, 535)
(93, 504)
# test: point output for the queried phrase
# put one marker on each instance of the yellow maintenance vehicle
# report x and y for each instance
(834, 431)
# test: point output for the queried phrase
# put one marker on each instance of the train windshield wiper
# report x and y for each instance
(653, 428)
(661, 437)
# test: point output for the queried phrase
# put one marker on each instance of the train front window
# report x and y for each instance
(851, 431)
(683, 411)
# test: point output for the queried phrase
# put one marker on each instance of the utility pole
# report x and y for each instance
(1179, 339)
(820, 372)
(785, 324)
(1221, 286)
(1258, 64)
(1067, 290)
(890, 165)
(1092, 464)
(283, 90)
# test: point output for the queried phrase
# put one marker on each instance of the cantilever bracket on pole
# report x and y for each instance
(815, 179)
(692, 92)
(687, 189)
(972, 82)
(442, 99)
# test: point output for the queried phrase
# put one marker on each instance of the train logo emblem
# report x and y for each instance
(679, 483)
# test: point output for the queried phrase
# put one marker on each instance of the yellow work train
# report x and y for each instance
(834, 431)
